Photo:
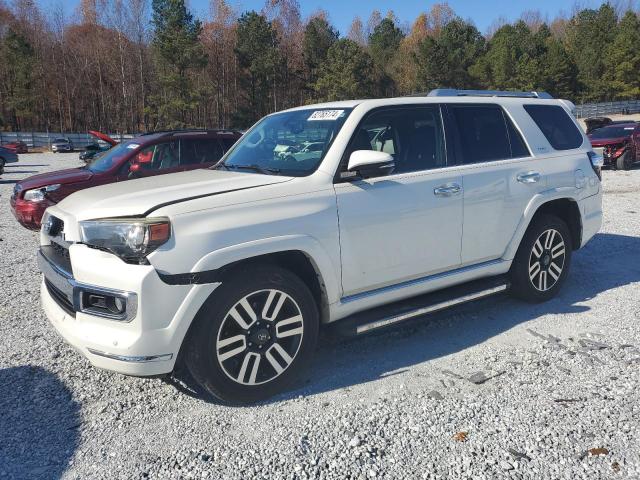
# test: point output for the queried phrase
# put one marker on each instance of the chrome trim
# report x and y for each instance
(418, 281)
(65, 282)
(132, 359)
(431, 308)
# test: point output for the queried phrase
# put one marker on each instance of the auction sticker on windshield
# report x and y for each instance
(325, 115)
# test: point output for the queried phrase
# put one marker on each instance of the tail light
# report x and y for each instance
(597, 161)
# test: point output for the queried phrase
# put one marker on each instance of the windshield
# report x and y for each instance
(290, 143)
(613, 132)
(111, 157)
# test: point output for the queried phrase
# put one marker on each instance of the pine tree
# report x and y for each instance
(178, 54)
(319, 36)
(623, 59)
(347, 73)
(19, 93)
(559, 72)
(257, 54)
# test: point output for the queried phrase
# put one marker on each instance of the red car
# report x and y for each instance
(149, 154)
(17, 147)
(619, 144)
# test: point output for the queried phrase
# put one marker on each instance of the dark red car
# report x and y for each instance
(149, 154)
(17, 147)
(619, 144)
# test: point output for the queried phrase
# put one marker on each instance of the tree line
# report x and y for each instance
(135, 65)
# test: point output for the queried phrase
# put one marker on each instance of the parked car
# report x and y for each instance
(232, 271)
(17, 147)
(61, 145)
(144, 156)
(6, 156)
(618, 143)
(90, 151)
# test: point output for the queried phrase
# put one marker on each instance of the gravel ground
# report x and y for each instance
(499, 389)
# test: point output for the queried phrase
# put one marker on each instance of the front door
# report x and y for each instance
(407, 224)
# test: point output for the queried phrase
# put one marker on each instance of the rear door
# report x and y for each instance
(499, 178)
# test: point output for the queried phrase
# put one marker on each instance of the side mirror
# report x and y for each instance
(369, 163)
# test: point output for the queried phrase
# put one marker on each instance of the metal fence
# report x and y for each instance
(625, 107)
(44, 139)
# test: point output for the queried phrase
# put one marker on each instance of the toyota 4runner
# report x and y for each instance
(403, 206)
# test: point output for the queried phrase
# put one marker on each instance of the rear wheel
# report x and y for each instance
(624, 161)
(542, 261)
(253, 336)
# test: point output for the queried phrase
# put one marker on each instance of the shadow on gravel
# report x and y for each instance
(607, 262)
(6, 182)
(39, 424)
(29, 165)
(21, 171)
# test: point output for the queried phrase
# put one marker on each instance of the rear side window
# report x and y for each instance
(486, 134)
(556, 125)
(196, 151)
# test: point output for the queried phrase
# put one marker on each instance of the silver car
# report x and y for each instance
(6, 156)
(61, 145)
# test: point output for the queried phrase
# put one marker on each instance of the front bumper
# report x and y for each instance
(148, 342)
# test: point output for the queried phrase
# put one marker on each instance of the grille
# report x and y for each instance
(58, 255)
(60, 298)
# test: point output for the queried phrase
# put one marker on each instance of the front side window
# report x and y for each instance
(412, 136)
(556, 125)
(486, 134)
(288, 143)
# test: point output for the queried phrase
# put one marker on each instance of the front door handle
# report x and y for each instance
(529, 177)
(447, 190)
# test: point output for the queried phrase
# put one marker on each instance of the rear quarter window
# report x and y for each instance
(556, 125)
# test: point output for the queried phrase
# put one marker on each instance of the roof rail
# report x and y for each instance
(452, 92)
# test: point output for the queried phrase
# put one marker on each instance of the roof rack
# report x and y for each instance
(452, 92)
(189, 130)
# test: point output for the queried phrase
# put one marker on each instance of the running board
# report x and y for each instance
(369, 320)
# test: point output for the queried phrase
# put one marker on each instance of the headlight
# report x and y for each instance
(132, 239)
(37, 194)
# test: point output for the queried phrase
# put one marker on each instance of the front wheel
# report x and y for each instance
(541, 264)
(253, 336)
(624, 161)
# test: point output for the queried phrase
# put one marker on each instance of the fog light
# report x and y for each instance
(119, 304)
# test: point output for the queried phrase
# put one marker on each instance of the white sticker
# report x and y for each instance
(629, 128)
(133, 146)
(325, 115)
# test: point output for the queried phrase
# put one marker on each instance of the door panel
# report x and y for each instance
(395, 229)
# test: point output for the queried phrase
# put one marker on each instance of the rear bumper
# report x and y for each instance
(147, 343)
(29, 214)
(591, 211)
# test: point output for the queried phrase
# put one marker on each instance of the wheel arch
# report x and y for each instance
(562, 206)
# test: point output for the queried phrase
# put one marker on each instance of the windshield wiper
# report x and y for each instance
(255, 168)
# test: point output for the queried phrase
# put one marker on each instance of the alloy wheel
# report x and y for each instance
(546, 260)
(260, 337)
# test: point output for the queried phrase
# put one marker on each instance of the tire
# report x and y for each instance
(267, 354)
(547, 244)
(624, 161)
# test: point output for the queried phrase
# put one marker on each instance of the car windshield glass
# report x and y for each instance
(60, 140)
(289, 143)
(612, 132)
(111, 157)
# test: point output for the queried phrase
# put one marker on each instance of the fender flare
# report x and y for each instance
(218, 259)
(532, 208)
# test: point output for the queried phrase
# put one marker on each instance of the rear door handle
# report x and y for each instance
(528, 177)
(447, 190)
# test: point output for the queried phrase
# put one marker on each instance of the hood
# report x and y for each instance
(602, 142)
(70, 175)
(142, 196)
(104, 137)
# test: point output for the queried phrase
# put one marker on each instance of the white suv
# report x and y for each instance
(410, 205)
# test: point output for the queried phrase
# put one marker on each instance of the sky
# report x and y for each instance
(342, 12)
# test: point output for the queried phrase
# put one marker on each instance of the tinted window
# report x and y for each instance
(486, 134)
(159, 157)
(556, 125)
(202, 150)
(412, 136)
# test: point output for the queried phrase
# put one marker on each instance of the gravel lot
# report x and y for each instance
(497, 389)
